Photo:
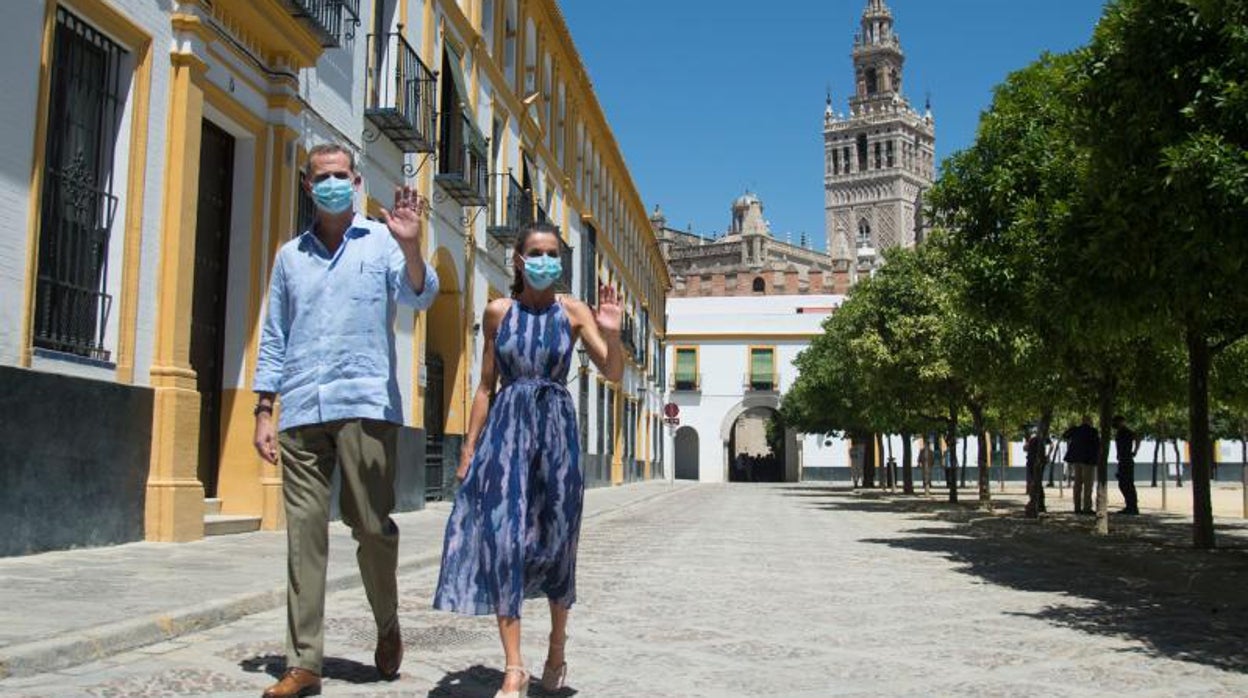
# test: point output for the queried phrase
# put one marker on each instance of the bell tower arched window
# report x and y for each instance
(864, 233)
(760, 286)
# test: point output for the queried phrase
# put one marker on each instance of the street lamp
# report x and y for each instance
(582, 355)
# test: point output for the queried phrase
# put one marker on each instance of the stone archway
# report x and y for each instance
(786, 467)
(687, 445)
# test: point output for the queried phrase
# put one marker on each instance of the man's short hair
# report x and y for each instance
(329, 149)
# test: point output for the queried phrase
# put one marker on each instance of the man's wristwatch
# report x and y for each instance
(262, 407)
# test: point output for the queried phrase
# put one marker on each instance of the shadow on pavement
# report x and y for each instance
(333, 668)
(482, 682)
(1143, 582)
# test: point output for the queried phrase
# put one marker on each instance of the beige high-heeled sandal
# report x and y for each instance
(555, 677)
(524, 683)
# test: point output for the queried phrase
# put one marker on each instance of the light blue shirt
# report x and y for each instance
(327, 346)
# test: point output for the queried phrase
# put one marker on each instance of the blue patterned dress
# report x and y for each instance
(513, 531)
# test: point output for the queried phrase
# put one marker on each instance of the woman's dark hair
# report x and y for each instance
(522, 239)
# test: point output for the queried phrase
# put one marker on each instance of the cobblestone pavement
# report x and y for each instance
(802, 591)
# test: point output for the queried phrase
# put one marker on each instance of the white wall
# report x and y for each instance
(723, 330)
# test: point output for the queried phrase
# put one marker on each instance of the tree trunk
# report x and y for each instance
(951, 466)
(1037, 454)
(982, 455)
(891, 464)
(879, 448)
(1156, 450)
(1198, 432)
(1178, 464)
(965, 460)
(1106, 402)
(907, 469)
(868, 462)
(1243, 471)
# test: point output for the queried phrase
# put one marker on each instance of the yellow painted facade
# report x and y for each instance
(245, 62)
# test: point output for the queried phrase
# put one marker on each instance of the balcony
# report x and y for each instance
(686, 383)
(463, 168)
(400, 93)
(332, 21)
(513, 209)
(762, 383)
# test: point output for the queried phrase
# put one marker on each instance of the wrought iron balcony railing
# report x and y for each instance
(762, 383)
(686, 382)
(400, 93)
(463, 170)
(512, 210)
(333, 21)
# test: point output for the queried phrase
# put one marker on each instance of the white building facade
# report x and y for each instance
(730, 359)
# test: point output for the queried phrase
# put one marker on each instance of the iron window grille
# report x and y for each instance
(78, 206)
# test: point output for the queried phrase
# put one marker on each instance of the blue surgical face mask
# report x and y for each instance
(333, 195)
(542, 272)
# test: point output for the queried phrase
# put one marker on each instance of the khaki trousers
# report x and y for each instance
(1085, 477)
(365, 450)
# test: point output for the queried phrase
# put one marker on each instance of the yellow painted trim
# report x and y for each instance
(617, 436)
(289, 102)
(225, 103)
(37, 169)
(749, 362)
(135, 197)
(174, 498)
(191, 24)
(138, 42)
(697, 363)
(372, 207)
(274, 28)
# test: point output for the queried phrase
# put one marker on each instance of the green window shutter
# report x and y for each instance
(762, 366)
(686, 366)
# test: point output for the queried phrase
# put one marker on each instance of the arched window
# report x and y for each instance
(760, 286)
(873, 81)
(862, 152)
(864, 233)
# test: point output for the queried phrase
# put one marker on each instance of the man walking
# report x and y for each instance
(1127, 443)
(327, 348)
(1082, 451)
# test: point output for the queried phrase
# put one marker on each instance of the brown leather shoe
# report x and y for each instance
(389, 654)
(295, 683)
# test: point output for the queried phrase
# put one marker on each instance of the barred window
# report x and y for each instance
(72, 305)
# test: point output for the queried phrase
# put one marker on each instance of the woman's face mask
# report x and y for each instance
(542, 272)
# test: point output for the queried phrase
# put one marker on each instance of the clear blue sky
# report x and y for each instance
(710, 97)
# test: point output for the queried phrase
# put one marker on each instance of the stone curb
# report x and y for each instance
(93, 644)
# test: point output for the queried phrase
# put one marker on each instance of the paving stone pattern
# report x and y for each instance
(801, 591)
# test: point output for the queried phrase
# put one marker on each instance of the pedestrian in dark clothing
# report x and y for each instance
(1127, 443)
(1082, 451)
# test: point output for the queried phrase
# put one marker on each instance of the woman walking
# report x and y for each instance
(513, 532)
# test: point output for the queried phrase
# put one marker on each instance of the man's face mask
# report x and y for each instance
(333, 195)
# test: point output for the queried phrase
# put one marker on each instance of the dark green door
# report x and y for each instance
(212, 244)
